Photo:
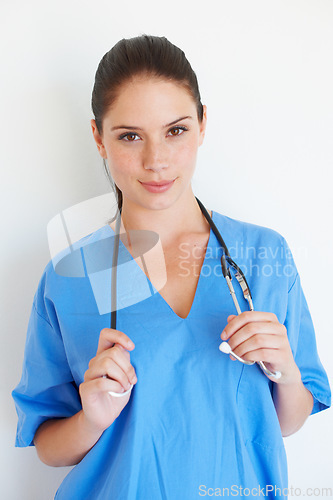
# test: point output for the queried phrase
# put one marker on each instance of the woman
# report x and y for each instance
(152, 408)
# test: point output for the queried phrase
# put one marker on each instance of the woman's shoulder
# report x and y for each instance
(248, 232)
(65, 256)
(73, 260)
(260, 251)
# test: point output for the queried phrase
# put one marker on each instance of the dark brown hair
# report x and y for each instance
(148, 55)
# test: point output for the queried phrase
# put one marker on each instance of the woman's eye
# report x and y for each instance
(177, 130)
(132, 137)
(129, 137)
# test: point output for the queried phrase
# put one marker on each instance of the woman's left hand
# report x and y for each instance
(258, 336)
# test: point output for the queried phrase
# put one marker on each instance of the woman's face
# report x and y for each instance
(150, 139)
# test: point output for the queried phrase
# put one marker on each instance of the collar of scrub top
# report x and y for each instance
(226, 263)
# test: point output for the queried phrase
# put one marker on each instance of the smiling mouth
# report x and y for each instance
(160, 183)
(157, 187)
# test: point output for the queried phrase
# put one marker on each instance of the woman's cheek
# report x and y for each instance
(123, 163)
(186, 156)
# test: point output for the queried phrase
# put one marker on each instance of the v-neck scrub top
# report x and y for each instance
(196, 422)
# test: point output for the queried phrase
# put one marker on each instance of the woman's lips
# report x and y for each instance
(157, 187)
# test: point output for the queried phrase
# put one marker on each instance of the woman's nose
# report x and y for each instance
(155, 157)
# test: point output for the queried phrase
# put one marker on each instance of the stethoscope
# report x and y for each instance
(226, 263)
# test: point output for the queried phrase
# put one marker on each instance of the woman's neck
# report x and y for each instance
(184, 216)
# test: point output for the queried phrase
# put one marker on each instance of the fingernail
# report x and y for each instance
(134, 380)
(224, 335)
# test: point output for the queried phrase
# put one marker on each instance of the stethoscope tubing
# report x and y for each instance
(247, 294)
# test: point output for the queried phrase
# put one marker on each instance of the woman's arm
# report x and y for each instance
(293, 403)
(63, 442)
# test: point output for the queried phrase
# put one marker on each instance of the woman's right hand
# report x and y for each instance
(109, 370)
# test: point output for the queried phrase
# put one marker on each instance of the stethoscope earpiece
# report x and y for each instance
(225, 347)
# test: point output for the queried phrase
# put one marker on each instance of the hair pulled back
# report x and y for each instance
(145, 54)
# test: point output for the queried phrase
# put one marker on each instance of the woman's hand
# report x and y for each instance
(258, 336)
(109, 370)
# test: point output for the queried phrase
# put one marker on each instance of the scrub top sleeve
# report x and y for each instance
(303, 344)
(46, 389)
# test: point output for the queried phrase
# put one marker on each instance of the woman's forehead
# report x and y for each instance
(144, 97)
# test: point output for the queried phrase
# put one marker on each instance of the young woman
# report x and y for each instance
(151, 408)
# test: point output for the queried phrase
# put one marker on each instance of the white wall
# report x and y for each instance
(266, 75)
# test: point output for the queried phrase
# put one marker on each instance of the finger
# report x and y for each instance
(271, 356)
(108, 337)
(244, 318)
(105, 363)
(106, 367)
(99, 385)
(122, 358)
(256, 330)
(256, 343)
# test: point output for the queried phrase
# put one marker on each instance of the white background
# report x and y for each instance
(265, 72)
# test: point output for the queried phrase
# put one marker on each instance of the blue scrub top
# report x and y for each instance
(196, 423)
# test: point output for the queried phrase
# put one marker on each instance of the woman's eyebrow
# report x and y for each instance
(130, 127)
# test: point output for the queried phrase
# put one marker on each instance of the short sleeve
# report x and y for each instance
(303, 344)
(46, 389)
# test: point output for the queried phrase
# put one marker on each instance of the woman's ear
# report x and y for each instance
(203, 124)
(98, 139)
